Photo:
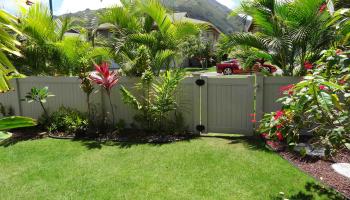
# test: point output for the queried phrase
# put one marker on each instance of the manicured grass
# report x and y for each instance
(199, 69)
(203, 168)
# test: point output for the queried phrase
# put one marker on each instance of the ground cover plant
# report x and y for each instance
(204, 168)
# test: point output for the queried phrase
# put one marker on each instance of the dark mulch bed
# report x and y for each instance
(319, 168)
(129, 136)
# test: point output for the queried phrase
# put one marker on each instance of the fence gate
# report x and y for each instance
(226, 104)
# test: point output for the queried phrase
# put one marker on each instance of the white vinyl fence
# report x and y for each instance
(220, 104)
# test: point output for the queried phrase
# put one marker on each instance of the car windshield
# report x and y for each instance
(229, 61)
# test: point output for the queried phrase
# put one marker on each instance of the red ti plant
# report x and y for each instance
(105, 78)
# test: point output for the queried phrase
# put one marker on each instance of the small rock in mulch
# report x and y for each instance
(342, 168)
(322, 169)
(310, 150)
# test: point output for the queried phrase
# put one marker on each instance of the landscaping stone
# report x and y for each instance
(342, 168)
(310, 150)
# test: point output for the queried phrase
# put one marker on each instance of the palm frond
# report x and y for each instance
(162, 59)
(158, 13)
(122, 18)
(8, 46)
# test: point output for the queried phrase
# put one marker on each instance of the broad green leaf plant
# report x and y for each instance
(319, 105)
(155, 98)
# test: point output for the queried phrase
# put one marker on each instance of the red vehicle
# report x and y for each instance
(228, 67)
(233, 67)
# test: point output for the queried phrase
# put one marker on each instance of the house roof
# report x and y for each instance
(182, 16)
(105, 26)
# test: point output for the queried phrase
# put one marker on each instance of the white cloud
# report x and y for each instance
(71, 6)
(230, 3)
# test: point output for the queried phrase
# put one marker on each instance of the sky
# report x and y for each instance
(66, 6)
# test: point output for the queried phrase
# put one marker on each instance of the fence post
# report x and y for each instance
(196, 103)
(18, 97)
(200, 103)
(259, 96)
(204, 104)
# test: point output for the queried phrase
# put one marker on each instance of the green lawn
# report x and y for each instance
(199, 69)
(203, 168)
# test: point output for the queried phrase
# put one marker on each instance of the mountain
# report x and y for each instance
(207, 10)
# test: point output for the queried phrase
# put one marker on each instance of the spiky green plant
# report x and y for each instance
(157, 98)
(292, 32)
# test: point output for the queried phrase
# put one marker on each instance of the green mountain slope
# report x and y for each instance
(207, 10)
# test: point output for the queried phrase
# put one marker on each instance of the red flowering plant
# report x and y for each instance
(314, 106)
(275, 126)
(107, 79)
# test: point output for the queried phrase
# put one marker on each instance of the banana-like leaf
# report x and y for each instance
(130, 99)
(4, 135)
(8, 123)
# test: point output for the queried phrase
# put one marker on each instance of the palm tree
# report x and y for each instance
(291, 32)
(41, 33)
(145, 27)
(8, 42)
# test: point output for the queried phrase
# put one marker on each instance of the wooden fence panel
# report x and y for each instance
(230, 100)
(223, 104)
(271, 93)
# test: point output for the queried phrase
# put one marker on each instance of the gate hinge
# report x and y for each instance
(200, 82)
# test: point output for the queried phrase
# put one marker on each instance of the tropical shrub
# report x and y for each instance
(155, 98)
(292, 32)
(69, 121)
(144, 29)
(107, 79)
(39, 95)
(318, 104)
(41, 31)
(47, 51)
(198, 48)
(78, 55)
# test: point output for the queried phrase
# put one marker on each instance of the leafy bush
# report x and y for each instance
(318, 104)
(157, 99)
(68, 120)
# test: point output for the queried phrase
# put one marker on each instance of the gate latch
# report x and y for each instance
(200, 82)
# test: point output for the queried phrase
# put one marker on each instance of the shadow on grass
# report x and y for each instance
(312, 191)
(251, 142)
(96, 144)
(29, 134)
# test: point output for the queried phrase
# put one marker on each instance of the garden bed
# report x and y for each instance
(322, 170)
(319, 168)
(127, 136)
